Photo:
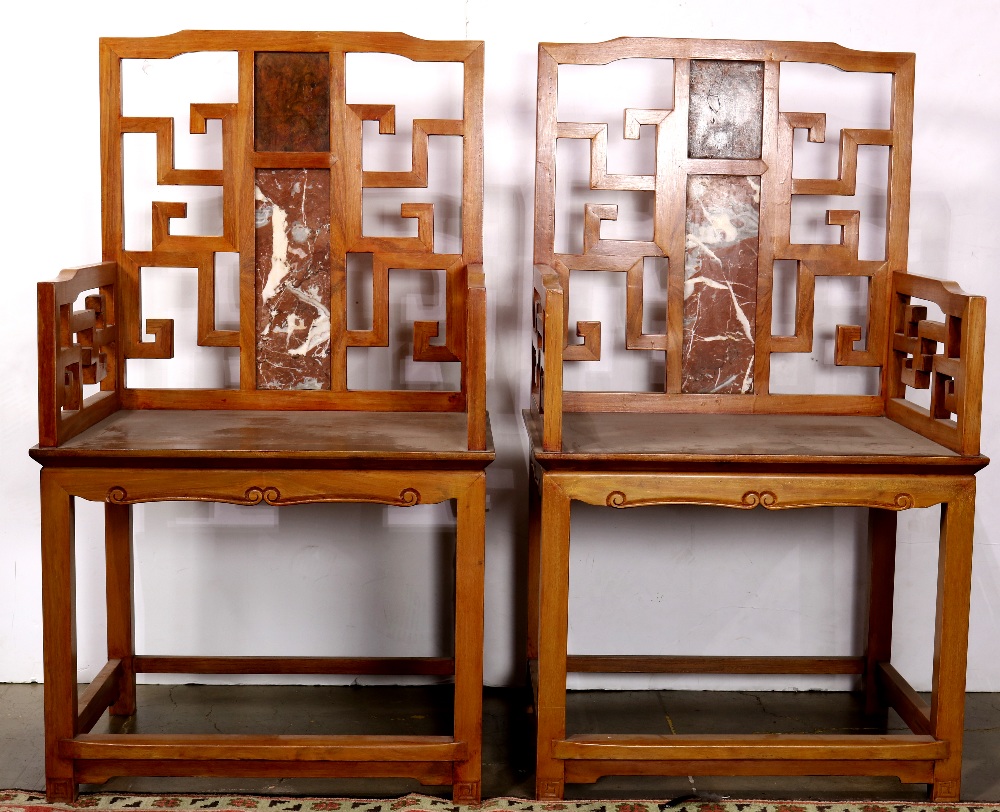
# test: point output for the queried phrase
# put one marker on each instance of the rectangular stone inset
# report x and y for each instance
(726, 114)
(292, 304)
(291, 102)
(720, 283)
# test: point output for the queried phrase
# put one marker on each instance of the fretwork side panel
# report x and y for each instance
(79, 332)
(939, 357)
(726, 190)
(287, 195)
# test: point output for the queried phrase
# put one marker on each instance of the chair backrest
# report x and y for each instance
(722, 199)
(289, 193)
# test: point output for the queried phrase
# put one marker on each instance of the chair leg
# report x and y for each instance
(469, 606)
(59, 636)
(119, 585)
(882, 545)
(534, 533)
(951, 637)
(553, 625)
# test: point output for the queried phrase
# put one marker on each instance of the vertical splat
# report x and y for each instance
(293, 278)
(720, 283)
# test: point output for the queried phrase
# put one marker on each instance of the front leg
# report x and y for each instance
(470, 544)
(59, 635)
(553, 625)
(951, 639)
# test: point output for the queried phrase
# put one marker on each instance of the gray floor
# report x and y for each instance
(507, 761)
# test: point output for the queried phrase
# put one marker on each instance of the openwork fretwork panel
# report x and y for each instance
(723, 190)
(86, 337)
(938, 356)
(79, 337)
(292, 184)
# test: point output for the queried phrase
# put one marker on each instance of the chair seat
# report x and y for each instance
(272, 438)
(659, 441)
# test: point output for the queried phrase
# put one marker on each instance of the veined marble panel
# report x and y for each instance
(291, 102)
(726, 113)
(293, 278)
(720, 283)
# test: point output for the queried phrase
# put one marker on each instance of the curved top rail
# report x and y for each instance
(828, 53)
(182, 42)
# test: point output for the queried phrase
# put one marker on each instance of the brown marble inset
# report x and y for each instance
(293, 278)
(291, 102)
(720, 283)
(726, 114)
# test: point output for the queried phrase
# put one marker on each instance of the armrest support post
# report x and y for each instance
(549, 353)
(475, 357)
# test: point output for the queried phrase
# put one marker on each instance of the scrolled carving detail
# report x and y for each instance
(409, 497)
(766, 499)
(272, 496)
(268, 495)
(262, 494)
(117, 495)
(749, 500)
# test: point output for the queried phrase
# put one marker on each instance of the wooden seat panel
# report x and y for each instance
(608, 439)
(142, 434)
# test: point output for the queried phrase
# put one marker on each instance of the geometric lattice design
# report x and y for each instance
(80, 345)
(928, 354)
(293, 142)
(86, 339)
(723, 131)
(918, 341)
(840, 259)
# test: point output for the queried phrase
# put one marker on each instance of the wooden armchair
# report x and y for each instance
(289, 430)
(721, 429)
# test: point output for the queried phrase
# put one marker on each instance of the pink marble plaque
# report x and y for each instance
(293, 278)
(720, 283)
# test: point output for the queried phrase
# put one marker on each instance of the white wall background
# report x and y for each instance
(220, 579)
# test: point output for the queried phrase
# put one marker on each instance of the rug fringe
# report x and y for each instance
(15, 800)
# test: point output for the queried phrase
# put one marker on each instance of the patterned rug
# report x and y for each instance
(19, 801)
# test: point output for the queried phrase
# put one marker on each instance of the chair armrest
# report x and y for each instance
(76, 347)
(944, 356)
(475, 356)
(549, 328)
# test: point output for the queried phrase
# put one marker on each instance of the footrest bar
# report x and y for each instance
(429, 773)
(431, 666)
(759, 747)
(227, 747)
(909, 772)
(672, 664)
